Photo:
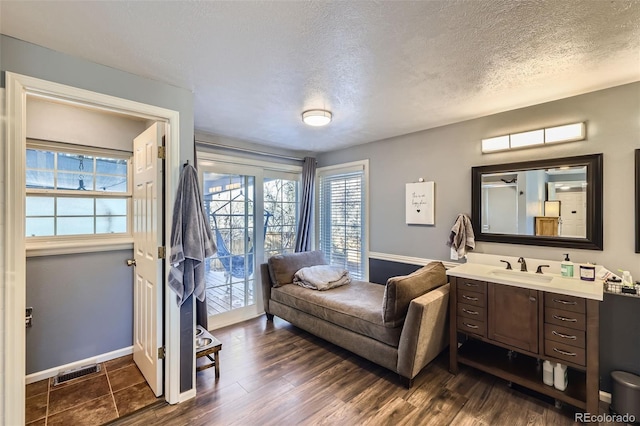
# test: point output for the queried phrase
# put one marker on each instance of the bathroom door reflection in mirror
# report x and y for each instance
(543, 202)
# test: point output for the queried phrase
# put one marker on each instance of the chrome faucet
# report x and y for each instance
(523, 264)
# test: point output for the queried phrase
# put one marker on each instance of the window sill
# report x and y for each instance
(54, 248)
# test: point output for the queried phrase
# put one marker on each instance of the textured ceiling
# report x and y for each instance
(383, 68)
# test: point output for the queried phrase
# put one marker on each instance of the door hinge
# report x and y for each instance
(162, 252)
(161, 352)
(161, 153)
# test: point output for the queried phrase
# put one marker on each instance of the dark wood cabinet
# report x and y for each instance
(565, 324)
(513, 316)
(491, 321)
(471, 312)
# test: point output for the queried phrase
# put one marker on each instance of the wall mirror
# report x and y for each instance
(556, 202)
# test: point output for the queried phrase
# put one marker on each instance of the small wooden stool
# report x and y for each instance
(211, 349)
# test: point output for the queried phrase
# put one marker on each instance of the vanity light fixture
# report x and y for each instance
(524, 139)
(499, 143)
(316, 117)
(566, 133)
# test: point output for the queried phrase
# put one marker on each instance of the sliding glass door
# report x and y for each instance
(230, 207)
(253, 213)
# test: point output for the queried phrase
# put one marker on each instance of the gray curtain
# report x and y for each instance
(202, 317)
(305, 225)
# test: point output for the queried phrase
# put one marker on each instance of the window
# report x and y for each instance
(281, 205)
(76, 191)
(342, 201)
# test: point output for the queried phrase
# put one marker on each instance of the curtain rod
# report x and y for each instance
(248, 150)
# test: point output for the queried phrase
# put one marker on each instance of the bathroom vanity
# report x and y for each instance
(508, 322)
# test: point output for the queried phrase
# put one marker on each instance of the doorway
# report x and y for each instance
(252, 207)
(19, 88)
(503, 217)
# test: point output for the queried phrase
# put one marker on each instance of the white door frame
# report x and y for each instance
(208, 161)
(18, 87)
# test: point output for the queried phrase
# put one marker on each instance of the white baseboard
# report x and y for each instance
(409, 260)
(605, 397)
(51, 372)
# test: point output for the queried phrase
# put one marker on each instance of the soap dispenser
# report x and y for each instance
(566, 267)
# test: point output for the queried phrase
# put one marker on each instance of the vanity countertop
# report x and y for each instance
(553, 283)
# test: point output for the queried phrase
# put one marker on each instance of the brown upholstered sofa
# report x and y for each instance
(402, 325)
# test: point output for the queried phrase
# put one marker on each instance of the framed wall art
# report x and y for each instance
(419, 206)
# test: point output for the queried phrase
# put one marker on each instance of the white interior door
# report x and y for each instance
(147, 232)
(573, 213)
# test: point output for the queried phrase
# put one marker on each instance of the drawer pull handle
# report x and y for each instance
(564, 302)
(561, 318)
(565, 353)
(470, 312)
(470, 325)
(473, 299)
(564, 336)
(471, 285)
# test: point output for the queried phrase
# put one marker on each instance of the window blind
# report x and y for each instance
(341, 219)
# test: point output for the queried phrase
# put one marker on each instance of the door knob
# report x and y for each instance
(131, 262)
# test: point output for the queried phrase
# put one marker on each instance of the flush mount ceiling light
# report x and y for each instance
(316, 117)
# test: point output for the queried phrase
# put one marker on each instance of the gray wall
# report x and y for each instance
(28, 59)
(446, 154)
(82, 307)
(58, 122)
(619, 337)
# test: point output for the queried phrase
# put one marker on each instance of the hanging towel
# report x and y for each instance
(191, 239)
(462, 238)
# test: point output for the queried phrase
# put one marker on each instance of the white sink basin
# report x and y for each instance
(549, 281)
(522, 276)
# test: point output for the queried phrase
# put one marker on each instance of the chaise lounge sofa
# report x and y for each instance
(402, 325)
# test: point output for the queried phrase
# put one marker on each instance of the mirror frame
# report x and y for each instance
(594, 238)
(637, 200)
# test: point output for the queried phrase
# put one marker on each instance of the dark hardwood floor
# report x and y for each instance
(273, 373)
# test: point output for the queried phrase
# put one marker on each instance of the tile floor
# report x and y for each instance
(117, 390)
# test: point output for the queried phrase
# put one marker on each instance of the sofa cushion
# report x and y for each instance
(399, 291)
(356, 307)
(282, 267)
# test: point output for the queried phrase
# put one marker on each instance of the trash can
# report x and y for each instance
(625, 397)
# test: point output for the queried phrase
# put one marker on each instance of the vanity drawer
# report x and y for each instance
(471, 297)
(567, 303)
(564, 335)
(565, 352)
(468, 325)
(470, 311)
(471, 285)
(565, 318)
